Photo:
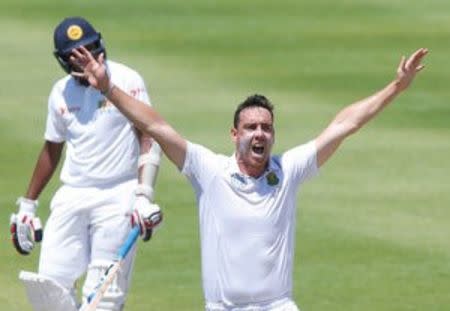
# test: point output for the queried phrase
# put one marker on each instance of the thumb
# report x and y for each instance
(101, 58)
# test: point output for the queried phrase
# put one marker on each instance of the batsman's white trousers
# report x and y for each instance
(283, 304)
(86, 225)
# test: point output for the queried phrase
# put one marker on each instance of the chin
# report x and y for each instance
(260, 162)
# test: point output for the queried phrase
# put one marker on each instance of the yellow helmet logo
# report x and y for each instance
(74, 32)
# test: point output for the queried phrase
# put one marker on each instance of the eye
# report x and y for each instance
(251, 126)
(267, 127)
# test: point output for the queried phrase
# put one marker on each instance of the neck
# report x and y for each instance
(251, 170)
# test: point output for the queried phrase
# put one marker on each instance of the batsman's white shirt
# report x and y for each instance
(247, 225)
(89, 216)
(102, 147)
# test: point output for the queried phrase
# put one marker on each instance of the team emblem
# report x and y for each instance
(74, 32)
(272, 179)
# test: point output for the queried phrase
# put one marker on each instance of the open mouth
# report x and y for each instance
(258, 150)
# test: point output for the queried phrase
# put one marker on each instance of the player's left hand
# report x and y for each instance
(408, 68)
(26, 229)
(146, 215)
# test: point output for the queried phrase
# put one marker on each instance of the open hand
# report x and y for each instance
(408, 68)
(93, 70)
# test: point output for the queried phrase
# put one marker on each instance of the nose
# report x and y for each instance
(259, 132)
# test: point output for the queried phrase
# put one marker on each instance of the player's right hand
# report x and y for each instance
(147, 216)
(26, 229)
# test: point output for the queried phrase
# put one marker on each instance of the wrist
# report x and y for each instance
(398, 85)
(145, 191)
(27, 205)
(108, 89)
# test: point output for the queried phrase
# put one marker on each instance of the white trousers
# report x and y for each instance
(284, 304)
(86, 226)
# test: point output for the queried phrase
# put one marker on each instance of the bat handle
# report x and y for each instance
(126, 246)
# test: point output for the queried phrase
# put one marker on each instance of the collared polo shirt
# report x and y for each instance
(247, 225)
(101, 144)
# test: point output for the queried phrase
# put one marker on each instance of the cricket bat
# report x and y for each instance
(105, 281)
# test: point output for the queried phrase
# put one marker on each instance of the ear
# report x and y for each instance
(233, 134)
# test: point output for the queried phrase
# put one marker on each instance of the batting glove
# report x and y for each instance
(146, 215)
(26, 229)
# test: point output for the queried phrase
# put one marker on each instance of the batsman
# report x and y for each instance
(108, 178)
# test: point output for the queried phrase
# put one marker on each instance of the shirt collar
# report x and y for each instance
(271, 173)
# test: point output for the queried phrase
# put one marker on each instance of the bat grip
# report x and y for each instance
(126, 246)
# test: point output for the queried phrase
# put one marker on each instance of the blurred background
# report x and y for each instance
(372, 230)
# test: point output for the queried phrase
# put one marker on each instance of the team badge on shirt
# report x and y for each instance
(272, 179)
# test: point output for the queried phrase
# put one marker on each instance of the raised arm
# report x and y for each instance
(144, 117)
(353, 117)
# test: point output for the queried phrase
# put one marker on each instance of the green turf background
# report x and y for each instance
(373, 229)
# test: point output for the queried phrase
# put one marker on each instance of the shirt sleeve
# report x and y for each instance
(55, 129)
(301, 162)
(200, 165)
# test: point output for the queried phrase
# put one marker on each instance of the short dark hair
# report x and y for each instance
(255, 100)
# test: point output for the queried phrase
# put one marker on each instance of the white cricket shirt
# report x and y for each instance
(101, 144)
(247, 225)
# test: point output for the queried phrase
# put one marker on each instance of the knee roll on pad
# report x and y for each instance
(114, 297)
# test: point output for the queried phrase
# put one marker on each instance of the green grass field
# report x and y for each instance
(373, 229)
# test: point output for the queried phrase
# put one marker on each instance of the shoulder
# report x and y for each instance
(301, 151)
(194, 149)
(61, 83)
(202, 164)
(204, 157)
(62, 86)
(122, 69)
(301, 161)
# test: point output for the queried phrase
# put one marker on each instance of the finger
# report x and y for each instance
(417, 57)
(101, 58)
(416, 54)
(76, 52)
(77, 74)
(401, 66)
(77, 62)
(74, 59)
(86, 53)
(420, 52)
(419, 68)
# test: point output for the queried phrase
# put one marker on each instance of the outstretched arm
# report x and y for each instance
(353, 117)
(144, 117)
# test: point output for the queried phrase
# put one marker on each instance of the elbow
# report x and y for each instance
(353, 127)
(157, 129)
(148, 129)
